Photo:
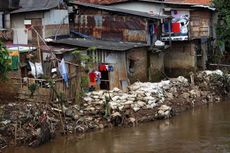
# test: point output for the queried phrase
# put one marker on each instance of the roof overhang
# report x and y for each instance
(124, 11)
(100, 44)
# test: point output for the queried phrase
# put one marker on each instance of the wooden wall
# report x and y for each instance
(200, 24)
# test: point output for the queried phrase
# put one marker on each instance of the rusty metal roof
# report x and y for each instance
(101, 44)
(124, 11)
(183, 3)
(36, 5)
(198, 2)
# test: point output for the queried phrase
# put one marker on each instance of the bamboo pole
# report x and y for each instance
(39, 49)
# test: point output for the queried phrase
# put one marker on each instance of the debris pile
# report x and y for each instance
(25, 123)
(36, 123)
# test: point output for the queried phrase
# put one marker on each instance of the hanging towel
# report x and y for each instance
(63, 71)
(36, 69)
(176, 27)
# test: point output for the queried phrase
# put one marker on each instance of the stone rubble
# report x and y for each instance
(140, 96)
(36, 123)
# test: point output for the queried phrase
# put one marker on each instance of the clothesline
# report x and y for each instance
(106, 63)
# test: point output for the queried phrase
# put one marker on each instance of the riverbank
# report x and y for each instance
(36, 123)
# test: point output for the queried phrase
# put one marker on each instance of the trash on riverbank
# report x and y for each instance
(36, 123)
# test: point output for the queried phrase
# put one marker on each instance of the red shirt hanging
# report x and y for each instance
(102, 67)
(92, 77)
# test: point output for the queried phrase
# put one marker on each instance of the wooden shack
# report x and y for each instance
(128, 61)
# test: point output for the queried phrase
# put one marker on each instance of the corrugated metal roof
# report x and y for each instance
(204, 2)
(102, 1)
(36, 5)
(100, 44)
(188, 2)
(118, 10)
(180, 3)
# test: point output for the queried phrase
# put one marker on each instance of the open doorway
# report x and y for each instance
(104, 80)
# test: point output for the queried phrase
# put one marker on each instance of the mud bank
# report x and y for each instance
(34, 124)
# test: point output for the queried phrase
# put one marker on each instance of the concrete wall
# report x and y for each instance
(137, 65)
(180, 58)
(156, 67)
(20, 34)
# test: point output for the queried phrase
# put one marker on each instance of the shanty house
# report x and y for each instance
(114, 24)
(190, 33)
(119, 63)
(32, 22)
(47, 17)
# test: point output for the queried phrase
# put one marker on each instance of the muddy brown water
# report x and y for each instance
(202, 130)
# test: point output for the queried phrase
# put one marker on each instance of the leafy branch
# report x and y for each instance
(4, 62)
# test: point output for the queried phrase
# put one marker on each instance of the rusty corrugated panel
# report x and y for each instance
(124, 22)
(135, 24)
(135, 35)
(206, 2)
(110, 35)
(97, 33)
(112, 27)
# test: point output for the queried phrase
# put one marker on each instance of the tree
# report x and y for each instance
(223, 26)
(4, 61)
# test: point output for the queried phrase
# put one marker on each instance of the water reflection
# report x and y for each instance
(204, 130)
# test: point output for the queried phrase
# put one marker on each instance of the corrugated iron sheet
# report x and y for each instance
(207, 2)
(112, 27)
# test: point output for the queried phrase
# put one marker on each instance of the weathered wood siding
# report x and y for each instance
(200, 24)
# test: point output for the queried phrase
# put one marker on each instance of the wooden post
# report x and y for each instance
(39, 49)
(15, 133)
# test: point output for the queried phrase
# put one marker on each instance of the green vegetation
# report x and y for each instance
(223, 26)
(4, 62)
(32, 88)
(85, 59)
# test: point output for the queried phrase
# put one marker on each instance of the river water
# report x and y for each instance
(202, 130)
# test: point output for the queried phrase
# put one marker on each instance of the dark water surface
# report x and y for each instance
(203, 130)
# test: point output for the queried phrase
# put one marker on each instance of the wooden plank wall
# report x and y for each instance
(200, 24)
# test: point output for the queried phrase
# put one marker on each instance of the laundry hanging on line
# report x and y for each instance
(63, 71)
